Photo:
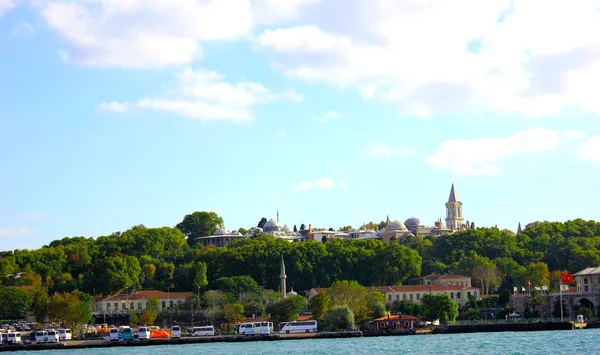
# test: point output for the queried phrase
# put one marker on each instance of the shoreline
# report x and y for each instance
(451, 329)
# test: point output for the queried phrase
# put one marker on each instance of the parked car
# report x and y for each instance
(52, 336)
(41, 336)
(65, 334)
(175, 331)
(113, 334)
(144, 333)
(127, 333)
(14, 338)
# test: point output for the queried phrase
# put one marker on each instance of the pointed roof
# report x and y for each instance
(453, 197)
(519, 228)
(282, 266)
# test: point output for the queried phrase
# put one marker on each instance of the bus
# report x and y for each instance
(298, 327)
(208, 330)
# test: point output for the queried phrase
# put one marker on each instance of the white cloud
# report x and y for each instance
(144, 33)
(22, 29)
(323, 183)
(575, 134)
(382, 151)
(590, 150)
(204, 95)
(15, 233)
(328, 116)
(479, 156)
(6, 5)
(114, 106)
(439, 56)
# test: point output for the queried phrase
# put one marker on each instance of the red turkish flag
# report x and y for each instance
(566, 278)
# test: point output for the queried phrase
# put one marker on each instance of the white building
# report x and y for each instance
(138, 300)
(221, 238)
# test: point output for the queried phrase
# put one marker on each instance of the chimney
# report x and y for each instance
(310, 228)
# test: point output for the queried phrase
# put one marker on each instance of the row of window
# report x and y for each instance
(411, 297)
(109, 306)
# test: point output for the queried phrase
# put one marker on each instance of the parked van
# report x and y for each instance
(41, 336)
(208, 330)
(113, 334)
(127, 333)
(3, 338)
(65, 334)
(144, 333)
(248, 329)
(175, 331)
(52, 336)
(14, 338)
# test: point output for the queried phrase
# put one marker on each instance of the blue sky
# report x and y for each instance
(116, 113)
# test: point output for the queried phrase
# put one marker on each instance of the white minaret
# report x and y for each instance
(283, 276)
(454, 216)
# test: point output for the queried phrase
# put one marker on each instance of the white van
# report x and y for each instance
(248, 329)
(175, 331)
(14, 338)
(41, 336)
(208, 330)
(144, 333)
(52, 336)
(113, 334)
(65, 334)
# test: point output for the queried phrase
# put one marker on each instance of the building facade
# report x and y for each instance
(138, 300)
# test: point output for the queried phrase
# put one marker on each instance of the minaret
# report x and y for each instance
(519, 229)
(283, 276)
(454, 217)
(278, 215)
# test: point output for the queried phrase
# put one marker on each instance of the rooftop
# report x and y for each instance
(147, 294)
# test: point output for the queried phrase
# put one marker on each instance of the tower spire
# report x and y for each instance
(278, 217)
(453, 197)
(519, 229)
(282, 277)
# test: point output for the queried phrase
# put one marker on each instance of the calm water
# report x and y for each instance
(555, 342)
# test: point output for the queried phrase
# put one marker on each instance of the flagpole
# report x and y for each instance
(561, 301)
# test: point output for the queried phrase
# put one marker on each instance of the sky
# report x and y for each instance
(115, 113)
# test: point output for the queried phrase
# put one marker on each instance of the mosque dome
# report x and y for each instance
(396, 226)
(286, 229)
(412, 223)
(221, 231)
(271, 226)
(291, 293)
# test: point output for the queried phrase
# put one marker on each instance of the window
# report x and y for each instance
(108, 306)
(452, 295)
(468, 294)
(585, 288)
(458, 295)
(170, 304)
(397, 297)
(389, 297)
(585, 280)
(411, 296)
(131, 306)
(139, 305)
(418, 296)
(404, 296)
(163, 304)
(116, 305)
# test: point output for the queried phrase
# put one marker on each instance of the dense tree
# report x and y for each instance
(199, 224)
(440, 307)
(287, 309)
(405, 307)
(233, 312)
(200, 280)
(148, 317)
(71, 309)
(16, 301)
(262, 222)
(339, 318)
(319, 305)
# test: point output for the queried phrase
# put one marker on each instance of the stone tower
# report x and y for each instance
(454, 216)
(283, 276)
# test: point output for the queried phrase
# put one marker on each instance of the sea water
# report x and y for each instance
(548, 342)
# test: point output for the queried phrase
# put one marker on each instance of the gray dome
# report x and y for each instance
(286, 228)
(221, 231)
(412, 223)
(396, 226)
(271, 226)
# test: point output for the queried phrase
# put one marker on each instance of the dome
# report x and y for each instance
(412, 223)
(291, 293)
(286, 228)
(271, 226)
(396, 226)
(221, 231)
